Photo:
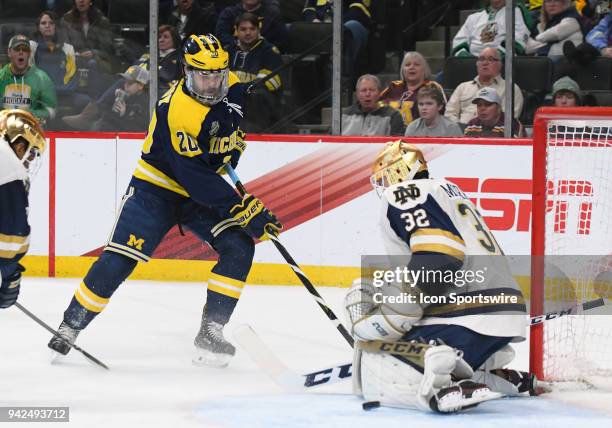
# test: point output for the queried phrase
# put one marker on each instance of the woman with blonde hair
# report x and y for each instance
(559, 23)
(402, 94)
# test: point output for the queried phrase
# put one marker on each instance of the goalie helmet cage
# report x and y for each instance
(572, 215)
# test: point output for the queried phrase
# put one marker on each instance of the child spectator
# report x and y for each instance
(566, 93)
(118, 109)
(431, 121)
(26, 86)
(402, 94)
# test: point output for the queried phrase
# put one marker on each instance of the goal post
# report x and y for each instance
(571, 216)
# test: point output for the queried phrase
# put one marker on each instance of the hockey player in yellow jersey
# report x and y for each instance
(431, 228)
(193, 133)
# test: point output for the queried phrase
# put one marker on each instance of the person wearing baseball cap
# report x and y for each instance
(566, 93)
(136, 74)
(489, 121)
(24, 86)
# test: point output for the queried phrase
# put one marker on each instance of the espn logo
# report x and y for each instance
(564, 197)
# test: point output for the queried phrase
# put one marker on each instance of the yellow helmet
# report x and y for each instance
(398, 161)
(19, 124)
(206, 66)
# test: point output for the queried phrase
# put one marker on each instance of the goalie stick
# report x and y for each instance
(55, 333)
(292, 382)
(296, 269)
(288, 380)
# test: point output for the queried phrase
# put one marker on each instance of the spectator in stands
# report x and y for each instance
(431, 121)
(487, 28)
(598, 43)
(57, 58)
(367, 117)
(189, 17)
(402, 94)
(566, 93)
(253, 57)
(357, 18)
(489, 121)
(119, 109)
(559, 23)
(169, 63)
(271, 26)
(26, 86)
(460, 107)
(90, 33)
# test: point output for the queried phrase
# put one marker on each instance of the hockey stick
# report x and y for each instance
(285, 378)
(55, 333)
(591, 304)
(292, 382)
(293, 264)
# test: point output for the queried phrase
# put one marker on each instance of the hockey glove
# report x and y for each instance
(253, 216)
(9, 290)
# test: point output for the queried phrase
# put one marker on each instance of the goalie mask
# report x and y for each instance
(25, 136)
(397, 162)
(206, 66)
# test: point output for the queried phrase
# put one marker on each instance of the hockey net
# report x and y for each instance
(572, 222)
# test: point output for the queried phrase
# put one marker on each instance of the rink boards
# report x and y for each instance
(317, 185)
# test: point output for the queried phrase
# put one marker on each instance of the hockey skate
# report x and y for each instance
(67, 336)
(211, 347)
(461, 396)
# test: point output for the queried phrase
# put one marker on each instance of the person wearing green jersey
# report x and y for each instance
(25, 86)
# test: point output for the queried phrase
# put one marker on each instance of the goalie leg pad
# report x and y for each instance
(485, 373)
(395, 383)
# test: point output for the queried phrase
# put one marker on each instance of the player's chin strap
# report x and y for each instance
(296, 268)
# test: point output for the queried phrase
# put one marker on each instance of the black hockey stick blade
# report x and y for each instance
(55, 333)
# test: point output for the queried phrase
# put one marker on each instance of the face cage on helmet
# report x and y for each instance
(392, 174)
(32, 161)
(190, 73)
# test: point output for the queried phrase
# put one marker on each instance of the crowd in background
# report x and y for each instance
(73, 72)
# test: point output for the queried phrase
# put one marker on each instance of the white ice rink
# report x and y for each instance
(146, 337)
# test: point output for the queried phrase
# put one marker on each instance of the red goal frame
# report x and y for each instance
(543, 117)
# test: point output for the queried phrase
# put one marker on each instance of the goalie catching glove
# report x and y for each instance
(253, 216)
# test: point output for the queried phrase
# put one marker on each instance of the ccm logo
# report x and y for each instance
(515, 214)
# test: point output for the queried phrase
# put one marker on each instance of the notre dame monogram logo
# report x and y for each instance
(403, 193)
(135, 242)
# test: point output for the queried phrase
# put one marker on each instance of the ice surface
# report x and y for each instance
(146, 337)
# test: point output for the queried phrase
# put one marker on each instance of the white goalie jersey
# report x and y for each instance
(434, 217)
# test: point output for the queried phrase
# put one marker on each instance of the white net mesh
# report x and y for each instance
(579, 223)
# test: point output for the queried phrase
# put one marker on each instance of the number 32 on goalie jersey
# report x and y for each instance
(436, 216)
